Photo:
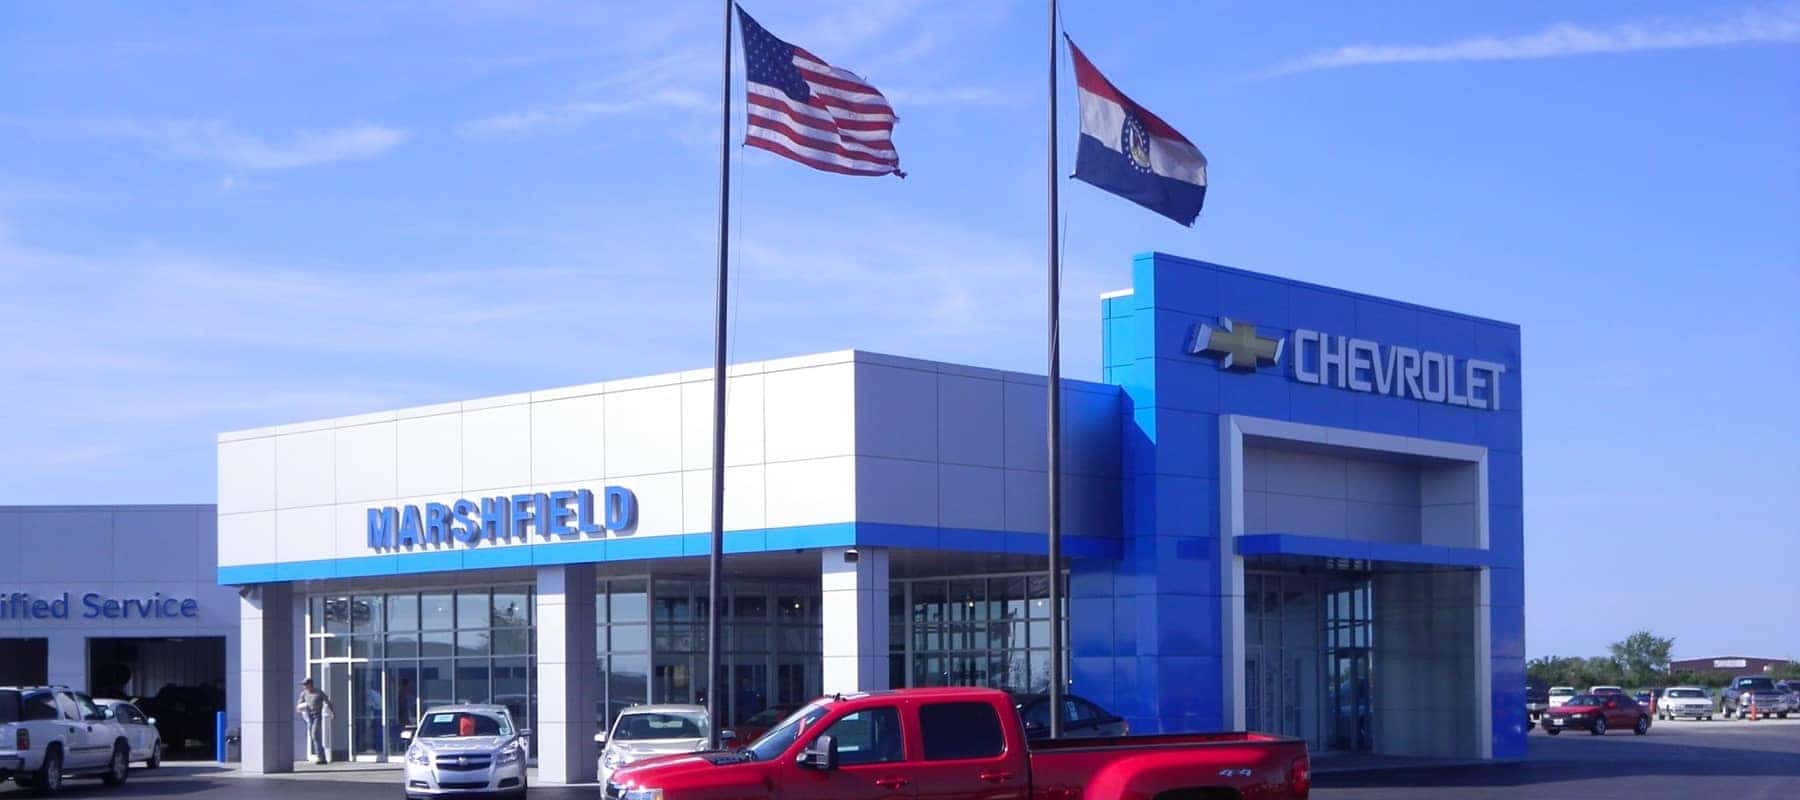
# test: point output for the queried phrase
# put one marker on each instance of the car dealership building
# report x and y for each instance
(1289, 508)
(121, 602)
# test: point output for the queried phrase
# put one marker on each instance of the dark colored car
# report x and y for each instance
(1597, 714)
(1081, 719)
(1537, 700)
(759, 723)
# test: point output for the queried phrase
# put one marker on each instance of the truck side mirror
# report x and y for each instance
(406, 734)
(727, 736)
(821, 755)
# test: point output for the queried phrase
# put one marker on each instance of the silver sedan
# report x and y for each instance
(466, 749)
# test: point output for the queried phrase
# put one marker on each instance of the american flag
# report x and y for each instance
(805, 109)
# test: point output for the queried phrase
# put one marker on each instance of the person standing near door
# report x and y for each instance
(314, 706)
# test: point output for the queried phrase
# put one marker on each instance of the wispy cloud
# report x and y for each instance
(568, 115)
(875, 38)
(904, 98)
(217, 142)
(1749, 26)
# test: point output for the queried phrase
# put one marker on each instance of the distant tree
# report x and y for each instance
(1642, 658)
(1555, 670)
(1601, 671)
(1787, 672)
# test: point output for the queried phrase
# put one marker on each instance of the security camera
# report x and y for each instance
(850, 555)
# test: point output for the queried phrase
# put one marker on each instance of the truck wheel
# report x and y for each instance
(1599, 728)
(1553, 731)
(119, 767)
(155, 759)
(49, 775)
(1643, 725)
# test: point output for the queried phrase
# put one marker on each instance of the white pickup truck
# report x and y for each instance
(1559, 695)
(48, 732)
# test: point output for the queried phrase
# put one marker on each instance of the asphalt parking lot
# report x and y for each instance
(1677, 759)
(1723, 759)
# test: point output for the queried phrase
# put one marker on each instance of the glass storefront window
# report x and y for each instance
(394, 655)
(436, 612)
(365, 614)
(337, 615)
(472, 678)
(472, 643)
(512, 609)
(975, 631)
(628, 603)
(403, 612)
(474, 609)
(512, 641)
(437, 644)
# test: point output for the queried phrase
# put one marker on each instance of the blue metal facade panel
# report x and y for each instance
(1158, 654)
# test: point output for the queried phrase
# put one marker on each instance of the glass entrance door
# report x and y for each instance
(357, 729)
(1348, 630)
(1283, 673)
(333, 677)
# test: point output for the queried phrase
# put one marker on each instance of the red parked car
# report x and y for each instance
(1597, 714)
(964, 744)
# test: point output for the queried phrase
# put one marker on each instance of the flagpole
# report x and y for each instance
(715, 565)
(1054, 420)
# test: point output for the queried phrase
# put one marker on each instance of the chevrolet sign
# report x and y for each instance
(1359, 365)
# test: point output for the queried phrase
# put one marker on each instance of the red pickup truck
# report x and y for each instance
(965, 744)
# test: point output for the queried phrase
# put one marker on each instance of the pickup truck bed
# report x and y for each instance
(1134, 767)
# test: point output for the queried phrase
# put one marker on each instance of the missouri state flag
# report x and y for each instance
(1131, 152)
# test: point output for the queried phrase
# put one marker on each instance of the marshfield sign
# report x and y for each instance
(1359, 365)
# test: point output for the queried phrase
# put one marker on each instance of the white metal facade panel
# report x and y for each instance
(831, 438)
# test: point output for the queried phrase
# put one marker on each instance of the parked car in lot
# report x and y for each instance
(1081, 719)
(643, 732)
(1769, 699)
(140, 731)
(1647, 699)
(465, 750)
(50, 732)
(1561, 694)
(963, 742)
(1605, 690)
(1597, 714)
(1685, 701)
(1537, 700)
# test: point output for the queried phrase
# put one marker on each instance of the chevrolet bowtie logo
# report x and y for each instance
(1242, 349)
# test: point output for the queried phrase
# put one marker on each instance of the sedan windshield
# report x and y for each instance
(453, 724)
(654, 725)
(779, 737)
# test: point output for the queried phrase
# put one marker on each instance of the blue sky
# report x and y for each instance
(219, 217)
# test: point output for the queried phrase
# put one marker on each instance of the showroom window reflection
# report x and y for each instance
(991, 630)
(385, 658)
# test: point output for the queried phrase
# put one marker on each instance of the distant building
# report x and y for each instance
(1727, 666)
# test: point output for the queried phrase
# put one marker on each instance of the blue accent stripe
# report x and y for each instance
(1288, 544)
(628, 548)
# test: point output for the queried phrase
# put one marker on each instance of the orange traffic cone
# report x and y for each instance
(1752, 706)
